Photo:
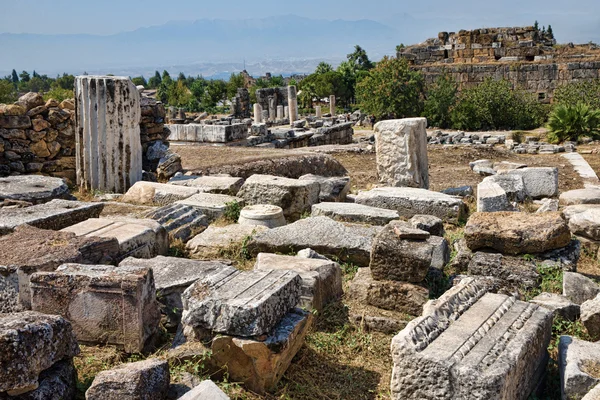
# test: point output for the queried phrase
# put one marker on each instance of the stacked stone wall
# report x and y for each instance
(152, 130)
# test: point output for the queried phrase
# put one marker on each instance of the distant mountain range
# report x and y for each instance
(207, 46)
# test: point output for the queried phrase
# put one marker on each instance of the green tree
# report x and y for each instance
(320, 86)
(37, 84)
(571, 122)
(139, 80)
(586, 92)
(276, 81)
(323, 68)
(198, 88)
(440, 97)
(391, 90)
(155, 81)
(181, 77)
(236, 81)
(15, 77)
(400, 48)
(35, 74)
(360, 59)
(64, 82)
(536, 26)
(166, 76)
(7, 92)
(216, 91)
(24, 76)
(549, 32)
(178, 94)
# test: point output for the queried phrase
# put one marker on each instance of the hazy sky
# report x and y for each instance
(112, 16)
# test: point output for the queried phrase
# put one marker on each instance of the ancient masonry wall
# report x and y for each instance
(279, 95)
(542, 79)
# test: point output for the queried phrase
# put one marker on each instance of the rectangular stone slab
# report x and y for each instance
(212, 205)
(471, 344)
(105, 304)
(181, 222)
(352, 212)
(211, 184)
(241, 304)
(55, 215)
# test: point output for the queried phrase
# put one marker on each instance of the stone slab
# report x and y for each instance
(561, 305)
(34, 189)
(579, 288)
(471, 344)
(409, 202)
(511, 184)
(349, 242)
(54, 215)
(205, 390)
(584, 220)
(581, 196)
(330, 189)
(539, 182)
(142, 238)
(58, 382)
(575, 359)
(180, 221)
(217, 240)
(321, 279)
(491, 197)
(152, 193)
(241, 303)
(212, 205)
(105, 304)
(352, 212)
(211, 184)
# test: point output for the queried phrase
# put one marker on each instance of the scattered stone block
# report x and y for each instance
(584, 220)
(548, 205)
(590, 316)
(241, 303)
(263, 215)
(428, 223)
(34, 189)
(512, 185)
(388, 295)
(180, 221)
(491, 198)
(401, 253)
(211, 205)
(217, 184)
(330, 189)
(349, 242)
(539, 182)
(294, 196)
(54, 215)
(559, 304)
(30, 343)
(172, 276)
(352, 212)
(440, 255)
(401, 147)
(46, 251)
(579, 288)
(575, 360)
(148, 380)
(593, 394)
(462, 191)
(161, 194)
(469, 341)
(517, 233)
(105, 304)
(205, 390)
(321, 279)
(483, 167)
(515, 273)
(55, 383)
(505, 166)
(214, 241)
(141, 238)
(580, 196)
(409, 202)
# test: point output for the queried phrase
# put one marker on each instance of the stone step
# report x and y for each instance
(211, 205)
(181, 222)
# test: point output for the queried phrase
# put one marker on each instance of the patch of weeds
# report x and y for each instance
(305, 214)
(232, 211)
(552, 281)
(349, 271)
(178, 249)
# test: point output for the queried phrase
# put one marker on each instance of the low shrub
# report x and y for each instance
(572, 122)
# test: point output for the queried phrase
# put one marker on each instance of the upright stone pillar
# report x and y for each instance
(286, 112)
(401, 147)
(292, 103)
(108, 144)
(257, 113)
(265, 115)
(272, 108)
(279, 113)
(318, 112)
(332, 105)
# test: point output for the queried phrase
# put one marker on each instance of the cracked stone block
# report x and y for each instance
(577, 361)
(590, 317)
(30, 343)
(105, 304)
(539, 182)
(210, 183)
(352, 212)
(559, 304)
(321, 279)
(59, 382)
(153, 193)
(579, 288)
(181, 222)
(241, 303)
(172, 276)
(55, 215)
(142, 238)
(513, 186)
(205, 390)
(148, 380)
(216, 240)
(491, 198)
(330, 189)
(34, 189)
(211, 205)
(472, 344)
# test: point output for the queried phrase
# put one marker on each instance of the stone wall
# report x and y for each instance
(241, 104)
(152, 130)
(37, 136)
(337, 134)
(280, 94)
(208, 133)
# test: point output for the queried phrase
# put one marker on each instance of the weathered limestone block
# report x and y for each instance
(514, 273)
(517, 233)
(577, 360)
(321, 279)
(469, 344)
(55, 215)
(30, 343)
(584, 220)
(109, 150)
(590, 317)
(349, 242)
(205, 390)
(511, 184)
(211, 205)
(409, 202)
(352, 212)
(241, 303)
(46, 251)
(180, 221)
(34, 189)
(330, 189)
(210, 184)
(157, 193)
(428, 223)
(294, 196)
(401, 147)
(215, 240)
(491, 198)
(581, 196)
(59, 382)
(539, 182)
(142, 238)
(559, 304)
(579, 288)
(172, 276)
(148, 380)
(105, 304)
(263, 215)
(593, 394)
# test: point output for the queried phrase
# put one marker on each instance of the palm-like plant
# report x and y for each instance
(568, 122)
